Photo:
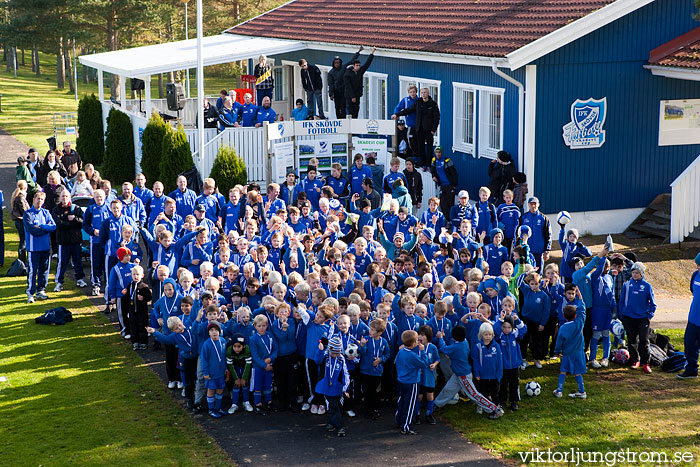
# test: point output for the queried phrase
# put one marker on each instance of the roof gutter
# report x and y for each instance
(521, 110)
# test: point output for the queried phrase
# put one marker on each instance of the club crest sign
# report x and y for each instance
(586, 127)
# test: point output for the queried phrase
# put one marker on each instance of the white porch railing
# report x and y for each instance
(188, 115)
(249, 144)
(685, 202)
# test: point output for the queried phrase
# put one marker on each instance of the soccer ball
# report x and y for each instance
(621, 356)
(564, 217)
(617, 328)
(533, 388)
(351, 352)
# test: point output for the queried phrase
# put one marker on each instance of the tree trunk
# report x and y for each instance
(8, 58)
(112, 45)
(161, 91)
(37, 65)
(23, 63)
(60, 65)
(236, 11)
(69, 66)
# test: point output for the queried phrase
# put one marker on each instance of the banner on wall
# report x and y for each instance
(585, 131)
(679, 122)
(284, 157)
(328, 151)
(375, 147)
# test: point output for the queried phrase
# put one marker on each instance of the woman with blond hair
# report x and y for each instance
(19, 205)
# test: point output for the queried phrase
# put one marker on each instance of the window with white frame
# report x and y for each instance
(464, 126)
(477, 107)
(373, 103)
(433, 87)
(281, 76)
(328, 104)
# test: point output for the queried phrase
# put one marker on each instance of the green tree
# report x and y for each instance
(119, 166)
(91, 138)
(176, 157)
(229, 170)
(152, 147)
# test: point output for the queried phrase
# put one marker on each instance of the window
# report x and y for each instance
(464, 127)
(328, 104)
(433, 87)
(485, 104)
(373, 102)
(281, 76)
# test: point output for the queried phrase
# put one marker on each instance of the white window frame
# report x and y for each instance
(369, 103)
(283, 83)
(328, 104)
(459, 112)
(404, 81)
(480, 147)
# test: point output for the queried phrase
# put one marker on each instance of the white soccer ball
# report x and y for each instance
(563, 217)
(351, 352)
(617, 328)
(533, 388)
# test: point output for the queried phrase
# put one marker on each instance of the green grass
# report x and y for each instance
(28, 101)
(77, 394)
(625, 409)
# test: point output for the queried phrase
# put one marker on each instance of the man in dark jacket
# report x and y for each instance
(414, 183)
(69, 236)
(211, 116)
(336, 84)
(353, 79)
(427, 121)
(312, 82)
(445, 176)
(501, 172)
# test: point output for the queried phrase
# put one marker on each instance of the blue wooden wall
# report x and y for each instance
(630, 169)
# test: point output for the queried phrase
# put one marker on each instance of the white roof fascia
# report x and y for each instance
(688, 74)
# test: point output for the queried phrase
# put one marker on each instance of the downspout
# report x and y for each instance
(521, 111)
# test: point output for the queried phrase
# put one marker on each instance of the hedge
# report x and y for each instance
(119, 164)
(152, 147)
(91, 138)
(176, 157)
(229, 170)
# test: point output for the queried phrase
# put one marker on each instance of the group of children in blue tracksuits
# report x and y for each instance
(297, 301)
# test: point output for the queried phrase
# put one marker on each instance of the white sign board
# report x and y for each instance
(284, 160)
(321, 127)
(679, 122)
(279, 130)
(374, 147)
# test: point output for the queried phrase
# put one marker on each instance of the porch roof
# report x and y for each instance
(162, 58)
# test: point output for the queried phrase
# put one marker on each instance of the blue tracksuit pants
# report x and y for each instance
(38, 274)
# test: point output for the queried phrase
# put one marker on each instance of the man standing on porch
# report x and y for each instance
(336, 84)
(354, 77)
(264, 81)
(312, 82)
(427, 121)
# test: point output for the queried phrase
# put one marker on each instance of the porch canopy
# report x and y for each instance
(142, 62)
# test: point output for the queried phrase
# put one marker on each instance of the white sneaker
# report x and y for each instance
(127, 336)
(305, 406)
(183, 393)
(233, 409)
(557, 393)
(81, 283)
(96, 291)
(578, 395)
(524, 365)
(248, 407)
(171, 384)
(314, 409)
(58, 287)
(180, 385)
(538, 364)
(351, 413)
(30, 298)
(604, 363)
(321, 409)
(41, 295)
(479, 410)
(594, 364)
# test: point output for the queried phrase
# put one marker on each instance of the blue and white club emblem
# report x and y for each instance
(586, 127)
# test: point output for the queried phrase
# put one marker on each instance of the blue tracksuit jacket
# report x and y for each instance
(537, 305)
(93, 218)
(357, 176)
(170, 256)
(570, 336)
(637, 299)
(374, 348)
(184, 201)
(409, 364)
(510, 343)
(509, 216)
(488, 361)
(459, 356)
(286, 342)
(119, 279)
(111, 232)
(38, 224)
(427, 376)
(213, 358)
(541, 239)
(262, 346)
(135, 210)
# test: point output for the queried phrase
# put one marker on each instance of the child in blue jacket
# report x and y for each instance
(535, 313)
(213, 363)
(374, 353)
(602, 307)
(570, 347)
(570, 248)
(488, 365)
(119, 280)
(284, 331)
(410, 361)
(428, 376)
(637, 308)
(333, 381)
(263, 350)
(508, 331)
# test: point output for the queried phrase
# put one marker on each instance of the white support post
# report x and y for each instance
(147, 90)
(101, 85)
(530, 119)
(122, 92)
(200, 80)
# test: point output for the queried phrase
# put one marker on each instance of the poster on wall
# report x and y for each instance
(585, 131)
(679, 122)
(329, 150)
(284, 155)
(375, 147)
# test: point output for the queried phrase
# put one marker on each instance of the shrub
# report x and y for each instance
(119, 164)
(176, 157)
(91, 138)
(152, 147)
(229, 170)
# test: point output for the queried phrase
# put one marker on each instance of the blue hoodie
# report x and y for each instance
(570, 336)
(459, 356)
(569, 250)
(374, 348)
(637, 299)
(409, 364)
(510, 343)
(488, 361)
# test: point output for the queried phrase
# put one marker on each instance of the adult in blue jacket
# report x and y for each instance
(184, 197)
(265, 113)
(132, 206)
(249, 112)
(358, 174)
(691, 338)
(95, 214)
(38, 225)
(111, 233)
(406, 103)
(637, 308)
(541, 240)
(463, 210)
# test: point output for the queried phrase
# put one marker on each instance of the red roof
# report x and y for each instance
(681, 52)
(491, 28)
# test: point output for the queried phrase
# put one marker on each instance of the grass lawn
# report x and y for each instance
(78, 395)
(28, 102)
(625, 409)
